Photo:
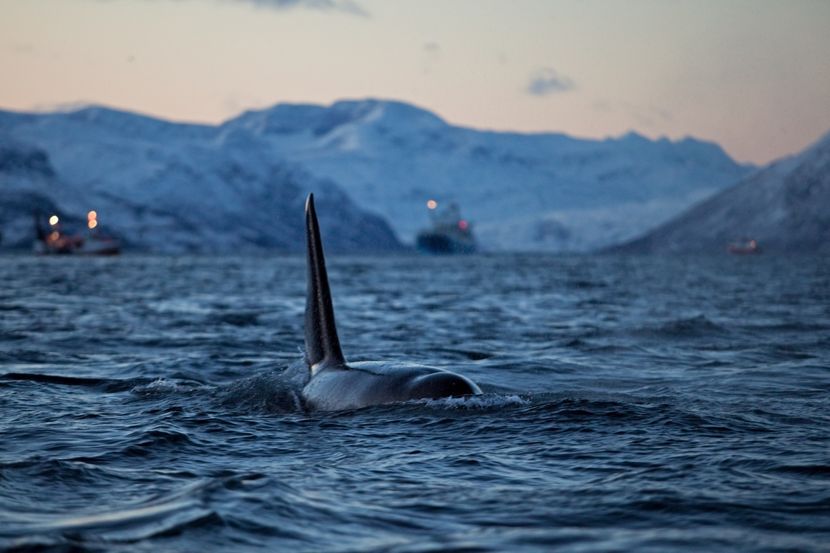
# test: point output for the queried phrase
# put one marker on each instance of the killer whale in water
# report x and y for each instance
(334, 385)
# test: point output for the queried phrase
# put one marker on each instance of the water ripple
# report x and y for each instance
(631, 404)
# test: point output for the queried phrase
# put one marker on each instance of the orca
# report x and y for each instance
(333, 384)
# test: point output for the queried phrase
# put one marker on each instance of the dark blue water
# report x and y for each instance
(632, 404)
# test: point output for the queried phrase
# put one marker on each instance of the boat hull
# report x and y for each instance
(443, 244)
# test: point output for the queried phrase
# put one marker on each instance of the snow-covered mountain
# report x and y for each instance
(172, 187)
(179, 186)
(784, 207)
(26, 180)
(522, 191)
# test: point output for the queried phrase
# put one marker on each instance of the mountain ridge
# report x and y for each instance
(571, 183)
(523, 191)
(172, 195)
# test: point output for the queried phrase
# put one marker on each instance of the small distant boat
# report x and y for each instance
(449, 233)
(744, 246)
(53, 240)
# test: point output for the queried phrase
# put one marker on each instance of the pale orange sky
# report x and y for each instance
(752, 75)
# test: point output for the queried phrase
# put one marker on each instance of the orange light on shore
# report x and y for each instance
(92, 223)
(432, 204)
(92, 215)
(53, 220)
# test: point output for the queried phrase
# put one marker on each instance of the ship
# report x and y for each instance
(744, 246)
(54, 239)
(448, 233)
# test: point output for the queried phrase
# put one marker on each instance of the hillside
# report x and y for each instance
(783, 207)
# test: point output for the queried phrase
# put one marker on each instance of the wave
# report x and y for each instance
(104, 384)
(236, 318)
(167, 514)
(269, 392)
(816, 470)
(483, 402)
(164, 387)
(690, 327)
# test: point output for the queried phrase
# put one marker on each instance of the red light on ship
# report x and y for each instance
(463, 224)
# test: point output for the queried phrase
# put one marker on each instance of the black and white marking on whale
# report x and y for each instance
(334, 385)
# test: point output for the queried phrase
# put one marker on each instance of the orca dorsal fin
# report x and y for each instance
(322, 345)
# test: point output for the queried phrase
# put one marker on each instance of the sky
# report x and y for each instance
(751, 75)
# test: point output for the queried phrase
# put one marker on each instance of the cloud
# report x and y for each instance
(547, 81)
(647, 116)
(344, 6)
(23, 48)
(430, 56)
(603, 106)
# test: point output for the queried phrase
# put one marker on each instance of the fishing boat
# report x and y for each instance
(449, 233)
(744, 246)
(54, 239)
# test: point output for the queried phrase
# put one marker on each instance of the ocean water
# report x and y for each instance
(631, 404)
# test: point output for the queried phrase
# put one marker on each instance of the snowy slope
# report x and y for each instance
(27, 179)
(218, 188)
(172, 187)
(784, 207)
(523, 191)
